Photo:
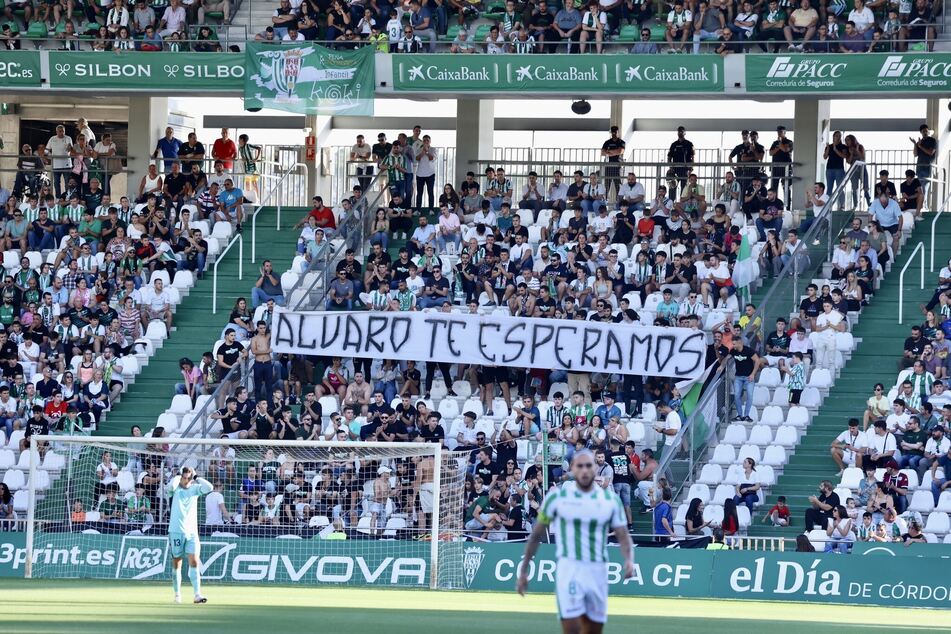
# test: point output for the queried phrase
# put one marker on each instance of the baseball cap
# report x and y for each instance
(891, 464)
(383, 469)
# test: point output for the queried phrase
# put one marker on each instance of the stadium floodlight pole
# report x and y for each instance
(31, 507)
(434, 521)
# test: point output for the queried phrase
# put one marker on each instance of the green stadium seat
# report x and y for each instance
(482, 32)
(629, 33)
(495, 7)
(658, 31)
(451, 33)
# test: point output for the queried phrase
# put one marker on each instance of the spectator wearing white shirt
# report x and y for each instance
(485, 216)
(864, 20)
(158, 305)
(58, 148)
(424, 235)
(896, 422)
(216, 511)
(631, 194)
(849, 446)
(842, 258)
(107, 473)
(557, 194)
(882, 445)
(828, 323)
(293, 34)
(173, 20)
(711, 274)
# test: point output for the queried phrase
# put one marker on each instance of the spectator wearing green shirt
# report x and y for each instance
(110, 509)
(90, 229)
(395, 165)
(138, 508)
(405, 299)
(581, 412)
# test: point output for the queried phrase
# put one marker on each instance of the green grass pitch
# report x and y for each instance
(73, 606)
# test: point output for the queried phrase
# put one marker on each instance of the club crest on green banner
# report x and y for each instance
(310, 79)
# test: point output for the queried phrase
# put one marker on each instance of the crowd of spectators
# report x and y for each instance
(87, 270)
(106, 25)
(550, 26)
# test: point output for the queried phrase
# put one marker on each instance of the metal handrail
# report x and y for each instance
(791, 268)
(214, 288)
(716, 383)
(934, 224)
(279, 188)
(353, 228)
(901, 278)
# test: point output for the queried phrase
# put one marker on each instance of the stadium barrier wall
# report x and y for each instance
(910, 73)
(224, 559)
(827, 578)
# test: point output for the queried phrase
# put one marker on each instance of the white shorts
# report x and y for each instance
(581, 589)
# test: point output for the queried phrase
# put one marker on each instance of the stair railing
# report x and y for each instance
(920, 251)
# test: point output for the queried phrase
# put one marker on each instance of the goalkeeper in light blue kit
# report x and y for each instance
(184, 491)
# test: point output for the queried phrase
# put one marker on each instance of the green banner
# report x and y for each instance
(659, 572)
(558, 73)
(135, 70)
(223, 559)
(873, 72)
(763, 576)
(20, 68)
(310, 79)
(896, 549)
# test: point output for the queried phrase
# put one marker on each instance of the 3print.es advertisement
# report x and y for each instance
(146, 557)
(556, 73)
(929, 72)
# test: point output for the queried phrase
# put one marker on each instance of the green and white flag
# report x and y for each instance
(746, 269)
(310, 79)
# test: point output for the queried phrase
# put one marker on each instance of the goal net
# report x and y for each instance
(301, 512)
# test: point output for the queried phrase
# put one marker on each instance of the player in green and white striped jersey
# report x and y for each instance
(581, 514)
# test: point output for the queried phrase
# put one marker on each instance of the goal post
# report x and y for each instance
(351, 513)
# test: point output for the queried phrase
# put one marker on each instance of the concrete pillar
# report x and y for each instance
(148, 118)
(939, 120)
(10, 134)
(320, 174)
(475, 128)
(617, 117)
(811, 123)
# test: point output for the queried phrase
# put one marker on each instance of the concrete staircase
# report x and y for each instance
(196, 329)
(874, 360)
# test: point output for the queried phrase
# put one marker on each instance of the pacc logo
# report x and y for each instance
(808, 68)
(892, 67)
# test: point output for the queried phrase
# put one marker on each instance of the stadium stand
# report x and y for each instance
(471, 27)
(570, 253)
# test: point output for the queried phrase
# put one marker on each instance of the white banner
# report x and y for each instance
(578, 346)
